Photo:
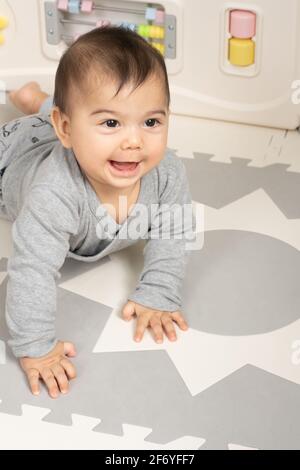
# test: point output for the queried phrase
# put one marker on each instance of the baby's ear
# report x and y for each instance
(61, 124)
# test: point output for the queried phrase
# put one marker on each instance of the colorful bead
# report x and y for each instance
(87, 6)
(62, 5)
(142, 30)
(160, 47)
(74, 6)
(157, 32)
(160, 16)
(100, 23)
(127, 25)
(150, 14)
(151, 31)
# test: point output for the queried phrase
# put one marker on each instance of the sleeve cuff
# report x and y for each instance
(155, 302)
(35, 349)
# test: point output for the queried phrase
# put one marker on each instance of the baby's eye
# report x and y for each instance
(153, 120)
(110, 120)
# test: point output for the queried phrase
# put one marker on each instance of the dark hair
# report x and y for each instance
(115, 52)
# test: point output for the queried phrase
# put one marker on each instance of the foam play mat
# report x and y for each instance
(232, 381)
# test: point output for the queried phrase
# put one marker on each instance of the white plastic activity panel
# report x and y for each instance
(236, 61)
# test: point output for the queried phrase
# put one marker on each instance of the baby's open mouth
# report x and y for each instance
(124, 165)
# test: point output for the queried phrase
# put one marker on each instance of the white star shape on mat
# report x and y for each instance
(249, 214)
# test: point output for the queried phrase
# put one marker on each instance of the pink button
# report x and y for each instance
(242, 24)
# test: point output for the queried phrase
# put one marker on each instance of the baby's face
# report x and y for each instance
(133, 128)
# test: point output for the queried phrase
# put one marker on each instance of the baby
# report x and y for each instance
(73, 175)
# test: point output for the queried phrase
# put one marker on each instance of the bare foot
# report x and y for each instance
(29, 98)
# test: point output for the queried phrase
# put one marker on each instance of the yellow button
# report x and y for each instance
(3, 22)
(2, 39)
(241, 52)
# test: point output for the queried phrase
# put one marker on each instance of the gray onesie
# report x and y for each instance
(56, 214)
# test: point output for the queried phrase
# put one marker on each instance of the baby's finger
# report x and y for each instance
(156, 326)
(142, 322)
(33, 379)
(177, 316)
(48, 378)
(169, 327)
(69, 368)
(61, 378)
(128, 311)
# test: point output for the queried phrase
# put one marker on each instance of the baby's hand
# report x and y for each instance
(156, 319)
(53, 368)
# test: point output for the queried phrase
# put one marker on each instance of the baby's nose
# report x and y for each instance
(132, 140)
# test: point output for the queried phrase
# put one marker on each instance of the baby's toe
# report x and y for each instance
(25, 98)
